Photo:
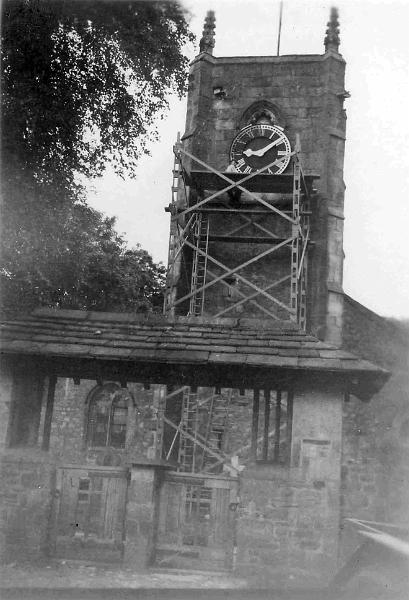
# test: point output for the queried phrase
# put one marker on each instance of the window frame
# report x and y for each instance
(263, 425)
(94, 397)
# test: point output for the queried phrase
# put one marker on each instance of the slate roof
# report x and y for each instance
(184, 340)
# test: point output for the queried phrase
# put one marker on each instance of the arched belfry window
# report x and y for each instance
(107, 420)
(262, 111)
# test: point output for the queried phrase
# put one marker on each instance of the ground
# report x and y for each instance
(62, 580)
(70, 574)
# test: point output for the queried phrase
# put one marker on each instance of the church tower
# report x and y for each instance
(257, 210)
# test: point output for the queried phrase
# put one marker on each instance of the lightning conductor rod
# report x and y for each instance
(279, 28)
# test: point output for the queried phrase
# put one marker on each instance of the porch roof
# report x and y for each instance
(189, 341)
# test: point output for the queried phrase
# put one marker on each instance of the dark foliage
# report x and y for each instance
(83, 81)
(82, 84)
(67, 255)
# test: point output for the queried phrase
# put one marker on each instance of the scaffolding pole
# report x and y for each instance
(191, 231)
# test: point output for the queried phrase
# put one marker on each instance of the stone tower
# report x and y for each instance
(303, 95)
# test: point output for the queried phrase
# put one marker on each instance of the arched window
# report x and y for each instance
(262, 111)
(108, 416)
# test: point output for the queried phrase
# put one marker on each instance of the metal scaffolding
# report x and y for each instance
(199, 197)
(199, 436)
(202, 436)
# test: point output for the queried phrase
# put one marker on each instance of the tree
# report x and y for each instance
(82, 85)
(82, 82)
(70, 256)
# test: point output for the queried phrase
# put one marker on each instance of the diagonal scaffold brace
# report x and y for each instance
(187, 219)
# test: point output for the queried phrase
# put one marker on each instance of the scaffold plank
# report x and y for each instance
(263, 183)
(232, 185)
(245, 239)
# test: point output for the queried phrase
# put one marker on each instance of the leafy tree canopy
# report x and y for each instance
(68, 255)
(82, 84)
(83, 81)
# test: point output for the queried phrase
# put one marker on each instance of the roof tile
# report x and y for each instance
(184, 340)
(224, 357)
(271, 361)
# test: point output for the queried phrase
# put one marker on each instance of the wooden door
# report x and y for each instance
(196, 522)
(90, 513)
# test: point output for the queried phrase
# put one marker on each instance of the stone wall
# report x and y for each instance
(375, 463)
(26, 483)
(27, 486)
(141, 516)
(285, 533)
(287, 528)
(296, 85)
(68, 442)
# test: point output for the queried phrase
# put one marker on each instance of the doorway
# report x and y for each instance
(197, 518)
(90, 513)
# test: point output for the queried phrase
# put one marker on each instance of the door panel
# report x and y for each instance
(91, 512)
(196, 522)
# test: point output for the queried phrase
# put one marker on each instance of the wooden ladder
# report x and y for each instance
(216, 431)
(189, 424)
(199, 265)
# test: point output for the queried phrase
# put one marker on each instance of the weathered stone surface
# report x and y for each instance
(375, 473)
(27, 482)
(68, 441)
(140, 521)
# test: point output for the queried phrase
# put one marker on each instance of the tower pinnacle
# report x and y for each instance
(207, 41)
(331, 41)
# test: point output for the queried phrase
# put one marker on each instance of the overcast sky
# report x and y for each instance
(374, 42)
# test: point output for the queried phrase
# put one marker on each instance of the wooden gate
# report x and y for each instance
(90, 512)
(197, 522)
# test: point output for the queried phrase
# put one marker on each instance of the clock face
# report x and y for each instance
(256, 146)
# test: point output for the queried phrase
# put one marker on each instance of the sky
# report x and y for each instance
(374, 43)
